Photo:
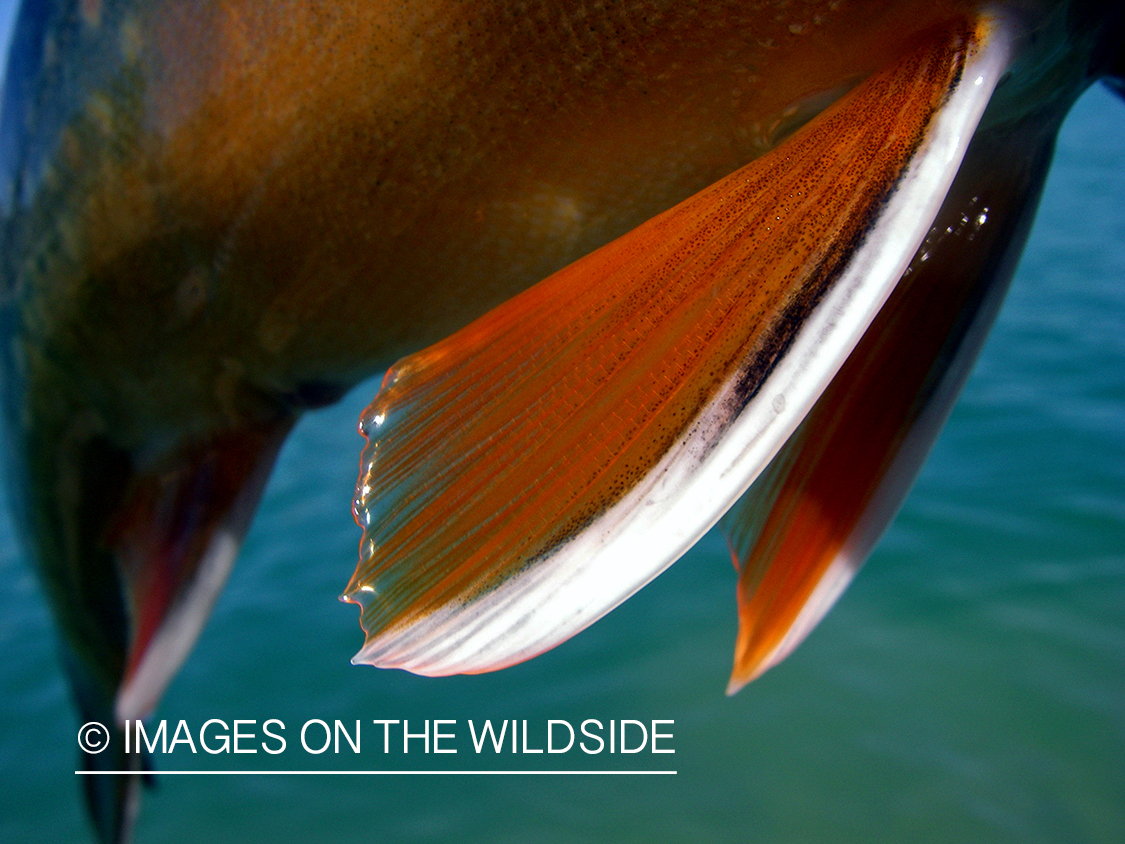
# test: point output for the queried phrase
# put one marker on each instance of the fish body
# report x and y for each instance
(218, 215)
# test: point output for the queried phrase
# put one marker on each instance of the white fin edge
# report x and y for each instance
(178, 632)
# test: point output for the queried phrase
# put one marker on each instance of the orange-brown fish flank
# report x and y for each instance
(564, 399)
(276, 153)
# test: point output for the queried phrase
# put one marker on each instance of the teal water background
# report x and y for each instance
(970, 686)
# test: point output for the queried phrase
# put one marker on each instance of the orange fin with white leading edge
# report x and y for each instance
(532, 471)
(804, 528)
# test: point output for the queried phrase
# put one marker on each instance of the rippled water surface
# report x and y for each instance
(969, 687)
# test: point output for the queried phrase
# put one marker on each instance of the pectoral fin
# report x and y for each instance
(531, 472)
(805, 527)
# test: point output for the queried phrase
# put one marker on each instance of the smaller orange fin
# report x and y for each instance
(809, 522)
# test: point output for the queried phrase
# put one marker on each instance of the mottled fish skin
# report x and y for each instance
(215, 215)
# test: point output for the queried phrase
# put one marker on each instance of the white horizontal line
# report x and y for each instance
(388, 773)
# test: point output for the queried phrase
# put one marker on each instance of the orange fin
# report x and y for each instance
(805, 527)
(532, 471)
